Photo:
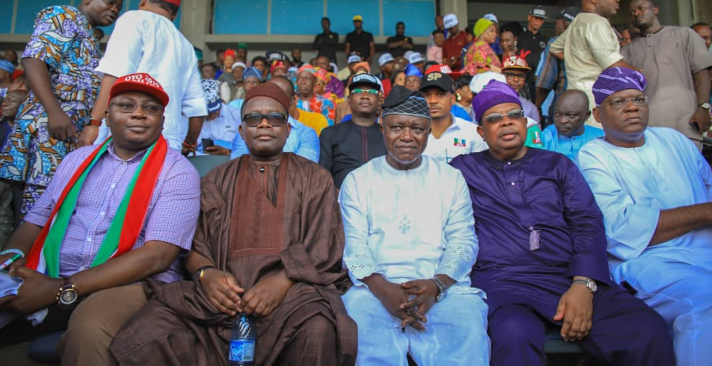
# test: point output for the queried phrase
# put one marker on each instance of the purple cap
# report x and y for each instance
(615, 79)
(495, 93)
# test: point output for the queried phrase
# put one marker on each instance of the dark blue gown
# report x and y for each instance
(538, 225)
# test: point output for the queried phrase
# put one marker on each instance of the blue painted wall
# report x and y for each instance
(300, 17)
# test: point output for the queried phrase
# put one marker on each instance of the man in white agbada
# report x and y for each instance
(655, 191)
(410, 247)
(147, 41)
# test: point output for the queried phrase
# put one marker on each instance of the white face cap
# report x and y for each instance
(479, 81)
(384, 59)
(450, 21)
(415, 57)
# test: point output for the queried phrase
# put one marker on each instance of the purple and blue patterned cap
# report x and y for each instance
(615, 79)
(495, 93)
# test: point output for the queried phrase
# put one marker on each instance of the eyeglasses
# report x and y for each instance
(364, 91)
(497, 117)
(151, 109)
(273, 119)
(515, 76)
(622, 102)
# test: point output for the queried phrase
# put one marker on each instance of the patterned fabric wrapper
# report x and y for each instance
(615, 79)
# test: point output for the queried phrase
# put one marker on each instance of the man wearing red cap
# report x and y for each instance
(151, 43)
(114, 215)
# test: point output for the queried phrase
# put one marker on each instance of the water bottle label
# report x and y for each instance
(241, 350)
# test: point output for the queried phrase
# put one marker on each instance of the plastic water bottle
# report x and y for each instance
(242, 342)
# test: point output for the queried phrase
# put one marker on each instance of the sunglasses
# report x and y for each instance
(364, 91)
(497, 117)
(273, 119)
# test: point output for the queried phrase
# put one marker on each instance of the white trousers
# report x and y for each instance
(679, 289)
(455, 334)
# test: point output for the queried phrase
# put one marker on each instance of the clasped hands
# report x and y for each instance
(226, 295)
(409, 301)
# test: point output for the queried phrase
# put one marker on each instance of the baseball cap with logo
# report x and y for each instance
(437, 79)
(385, 58)
(364, 79)
(450, 21)
(515, 62)
(415, 58)
(357, 18)
(139, 82)
(569, 13)
(538, 11)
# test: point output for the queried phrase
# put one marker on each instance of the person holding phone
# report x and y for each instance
(220, 125)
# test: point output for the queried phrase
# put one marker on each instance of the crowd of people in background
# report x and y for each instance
(483, 188)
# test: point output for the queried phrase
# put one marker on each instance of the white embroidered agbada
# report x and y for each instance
(632, 186)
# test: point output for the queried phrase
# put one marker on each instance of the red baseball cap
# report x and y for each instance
(139, 82)
(174, 2)
(444, 69)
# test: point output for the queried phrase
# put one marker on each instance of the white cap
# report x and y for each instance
(479, 81)
(385, 58)
(450, 21)
(354, 58)
(491, 17)
(415, 57)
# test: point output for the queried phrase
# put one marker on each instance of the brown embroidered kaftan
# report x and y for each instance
(254, 224)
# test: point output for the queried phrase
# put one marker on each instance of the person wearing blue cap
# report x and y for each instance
(221, 124)
(6, 70)
(542, 259)
(655, 190)
(251, 77)
(412, 77)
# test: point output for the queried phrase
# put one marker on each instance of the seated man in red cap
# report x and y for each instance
(151, 43)
(269, 244)
(114, 215)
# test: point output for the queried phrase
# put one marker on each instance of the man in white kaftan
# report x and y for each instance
(655, 191)
(147, 41)
(410, 247)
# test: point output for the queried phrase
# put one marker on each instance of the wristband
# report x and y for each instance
(94, 122)
(13, 251)
(189, 145)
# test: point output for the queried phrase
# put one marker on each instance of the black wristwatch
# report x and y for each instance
(67, 294)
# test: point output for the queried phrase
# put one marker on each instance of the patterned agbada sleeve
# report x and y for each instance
(461, 241)
(55, 29)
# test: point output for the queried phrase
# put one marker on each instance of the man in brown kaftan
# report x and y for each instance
(269, 242)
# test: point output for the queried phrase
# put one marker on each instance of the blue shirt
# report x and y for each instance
(460, 113)
(568, 146)
(302, 141)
